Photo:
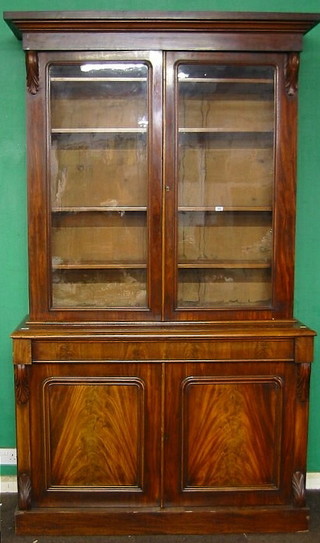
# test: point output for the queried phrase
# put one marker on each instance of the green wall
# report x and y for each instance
(13, 238)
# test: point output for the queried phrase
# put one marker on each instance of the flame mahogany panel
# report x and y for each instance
(229, 427)
(95, 431)
(98, 432)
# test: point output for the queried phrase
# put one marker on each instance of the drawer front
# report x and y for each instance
(168, 349)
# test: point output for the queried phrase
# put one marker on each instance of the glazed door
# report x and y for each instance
(224, 170)
(103, 190)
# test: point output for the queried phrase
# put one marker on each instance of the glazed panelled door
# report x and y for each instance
(223, 134)
(104, 184)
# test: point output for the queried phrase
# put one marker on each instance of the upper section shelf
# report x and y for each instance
(102, 209)
(97, 79)
(225, 264)
(86, 130)
(227, 130)
(232, 80)
(220, 208)
(100, 266)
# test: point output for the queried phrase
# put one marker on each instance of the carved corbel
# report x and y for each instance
(291, 73)
(21, 382)
(298, 488)
(303, 382)
(32, 68)
(25, 489)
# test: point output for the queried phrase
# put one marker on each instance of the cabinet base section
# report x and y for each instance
(161, 521)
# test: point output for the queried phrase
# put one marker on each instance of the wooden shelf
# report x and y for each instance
(181, 265)
(97, 79)
(221, 209)
(230, 264)
(216, 130)
(112, 130)
(98, 209)
(182, 209)
(98, 266)
(236, 80)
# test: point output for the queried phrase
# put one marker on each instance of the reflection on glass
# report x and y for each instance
(99, 184)
(225, 185)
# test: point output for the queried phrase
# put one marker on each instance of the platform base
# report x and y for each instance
(161, 521)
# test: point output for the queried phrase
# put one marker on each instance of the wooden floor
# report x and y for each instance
(313, 536)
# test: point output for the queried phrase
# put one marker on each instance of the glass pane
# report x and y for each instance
(99, 184)
(226, 119)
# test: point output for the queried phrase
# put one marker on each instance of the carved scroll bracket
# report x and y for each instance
(32, 67)
(303, 382)
(21, 382)
(298, 488)
(291, 73)
(25, 489)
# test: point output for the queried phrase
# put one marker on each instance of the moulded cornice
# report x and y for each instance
(206, 21)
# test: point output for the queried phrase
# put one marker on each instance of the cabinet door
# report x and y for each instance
(103, 186)
(95, 434)
(226, 186)
(229, 430)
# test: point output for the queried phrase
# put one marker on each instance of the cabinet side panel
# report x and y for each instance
(38, 249)
(285, 188)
